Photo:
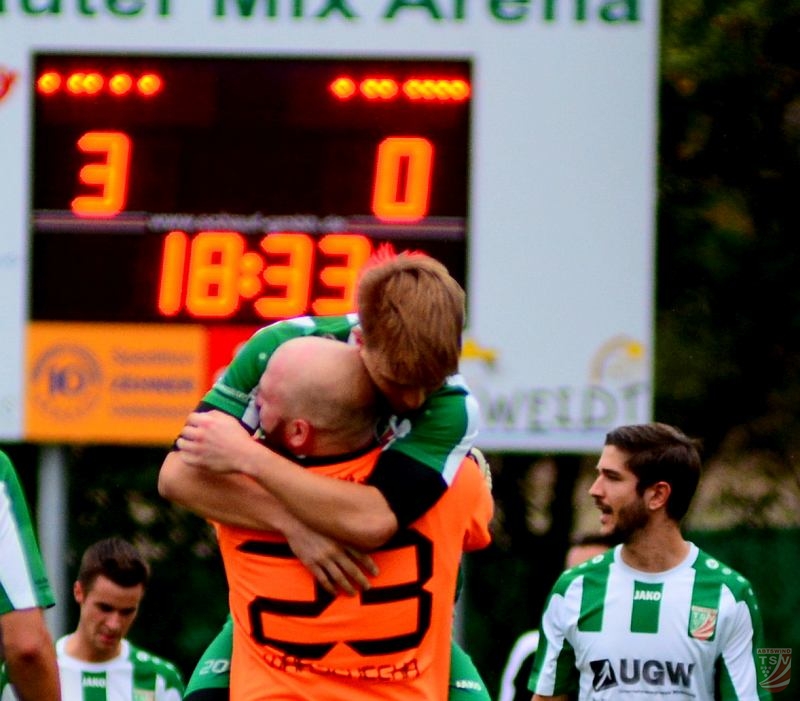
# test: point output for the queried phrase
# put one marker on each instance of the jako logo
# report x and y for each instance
(94, 682)
(641, 595)
(7, 79)
(651, 672)
(774, 667)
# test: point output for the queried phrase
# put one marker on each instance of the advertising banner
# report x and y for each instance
(178, 167)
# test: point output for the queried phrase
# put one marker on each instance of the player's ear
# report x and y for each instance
(298, 435)
(78, 593)
(658, 495)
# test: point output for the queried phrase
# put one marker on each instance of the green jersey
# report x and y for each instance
(613, 632)
(134, 675)
(423, 448)
(23, 581)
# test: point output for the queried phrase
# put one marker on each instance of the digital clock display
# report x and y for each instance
(209, 189)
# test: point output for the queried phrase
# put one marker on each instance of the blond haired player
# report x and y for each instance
(411, 314)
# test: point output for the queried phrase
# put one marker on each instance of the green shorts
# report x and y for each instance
(465, 680)
(213, 671)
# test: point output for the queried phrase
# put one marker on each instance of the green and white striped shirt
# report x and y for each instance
(614, 632)
(134, 675)
(23, 581)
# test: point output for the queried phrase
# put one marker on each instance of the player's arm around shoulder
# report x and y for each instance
(232, 499)
(231, 392)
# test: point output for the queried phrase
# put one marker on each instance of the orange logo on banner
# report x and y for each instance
(115, 383)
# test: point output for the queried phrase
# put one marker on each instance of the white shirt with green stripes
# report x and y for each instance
(134, 675)
(614, 632)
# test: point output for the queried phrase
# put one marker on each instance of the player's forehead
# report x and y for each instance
(613, 460)
(112, 595)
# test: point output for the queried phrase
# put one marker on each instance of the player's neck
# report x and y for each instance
(655, 548)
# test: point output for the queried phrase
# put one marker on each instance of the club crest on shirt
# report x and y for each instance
(774, 667)
(702, 622)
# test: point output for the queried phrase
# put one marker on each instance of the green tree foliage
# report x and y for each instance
(728, 300)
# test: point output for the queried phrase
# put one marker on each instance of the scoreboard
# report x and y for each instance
(179, 174)
(229, 189)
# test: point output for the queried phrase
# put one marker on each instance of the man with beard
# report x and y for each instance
(655, 617)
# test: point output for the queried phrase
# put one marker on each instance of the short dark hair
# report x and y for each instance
(658, 452)
(116, 559)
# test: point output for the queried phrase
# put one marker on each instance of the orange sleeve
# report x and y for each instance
(477, 534)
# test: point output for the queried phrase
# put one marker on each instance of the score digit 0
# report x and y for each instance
(403, 168)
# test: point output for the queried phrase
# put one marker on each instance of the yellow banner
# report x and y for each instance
(112, 383)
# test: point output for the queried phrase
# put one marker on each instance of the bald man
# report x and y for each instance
(292, 637)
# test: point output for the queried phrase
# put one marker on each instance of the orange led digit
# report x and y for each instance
(356, 250)
(111, 175)
(212, 289)
(294, 277)
(173, 263)
(402, 179)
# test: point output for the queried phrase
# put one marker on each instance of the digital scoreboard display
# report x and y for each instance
(181, 174)
(209, 189)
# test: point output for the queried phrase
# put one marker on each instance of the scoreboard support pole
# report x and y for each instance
(53, 529)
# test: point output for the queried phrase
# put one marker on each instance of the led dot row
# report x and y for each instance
(93, 83)
(429, 89)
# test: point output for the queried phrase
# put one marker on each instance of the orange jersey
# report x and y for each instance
(294, 641)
